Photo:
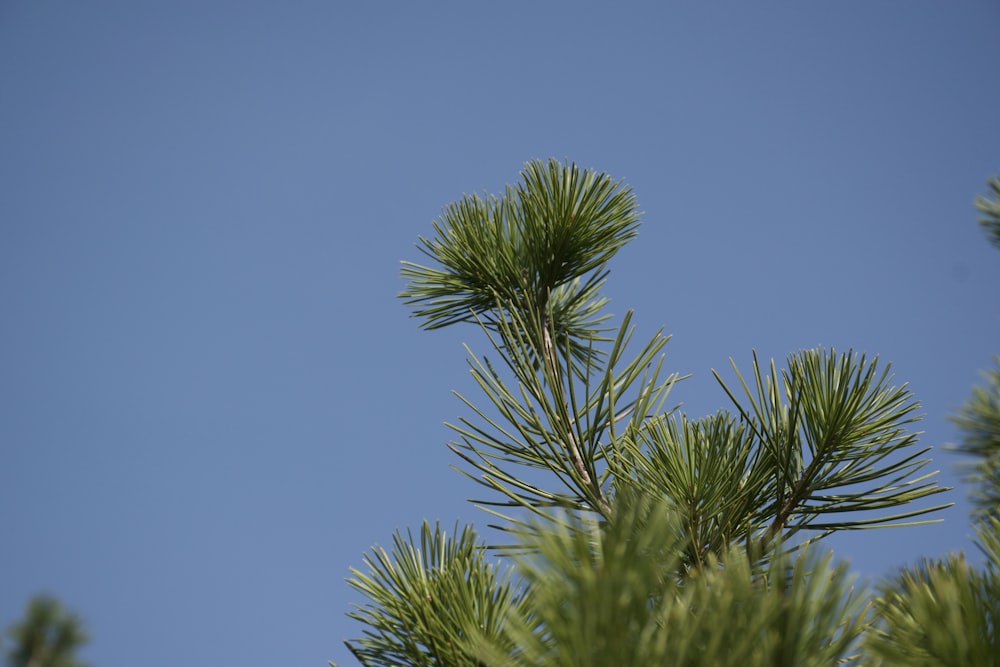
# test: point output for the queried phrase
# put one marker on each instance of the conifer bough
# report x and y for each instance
(618, 514)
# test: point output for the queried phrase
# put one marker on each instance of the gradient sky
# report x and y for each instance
(211, 401)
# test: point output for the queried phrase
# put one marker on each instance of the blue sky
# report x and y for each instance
(211, 401)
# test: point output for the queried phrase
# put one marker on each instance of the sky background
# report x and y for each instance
(212, 402)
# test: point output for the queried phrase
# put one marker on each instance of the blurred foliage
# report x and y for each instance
(610, 595)
(989, 206)
(979, 421)
(48, 636)
(941, 613)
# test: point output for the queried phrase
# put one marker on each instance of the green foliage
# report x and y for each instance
(431, 605)
(536, 252)
(607, 595)
(979, 420)
(555, 226)
(942, 613)
(710, 472)
(47, 636)
(990, 208)
(834, 435)
(638, 536)
(814, 447)
(548, 420)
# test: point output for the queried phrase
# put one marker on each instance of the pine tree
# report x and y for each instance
(629, 533)
(48, 636)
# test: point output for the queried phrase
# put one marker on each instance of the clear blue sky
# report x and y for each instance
(211, 402)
